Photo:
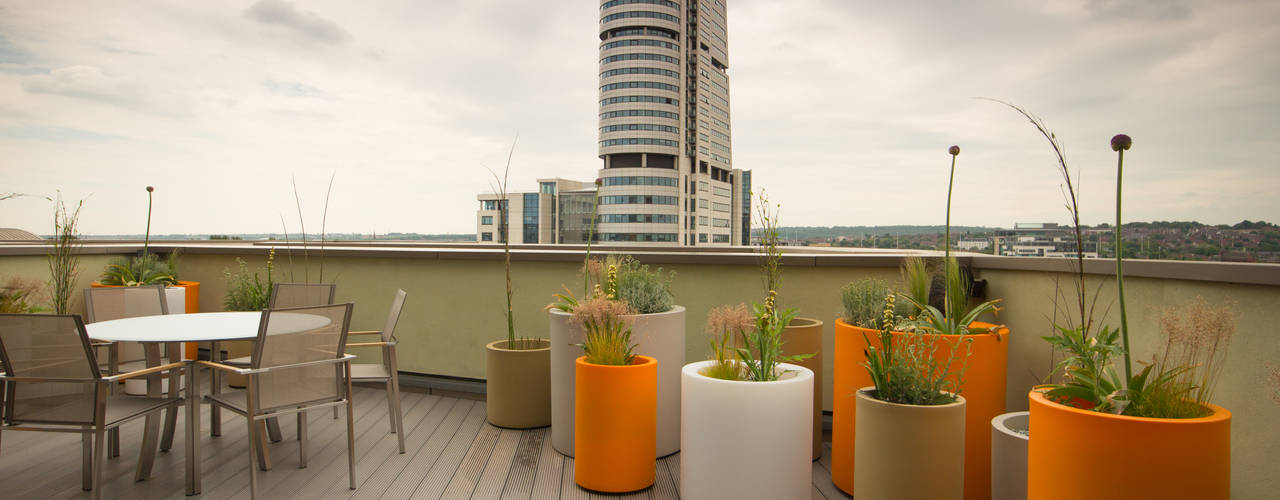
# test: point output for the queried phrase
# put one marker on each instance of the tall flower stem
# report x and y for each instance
(146, 239)
(1120, 143)
(947, 306)
(586, 261)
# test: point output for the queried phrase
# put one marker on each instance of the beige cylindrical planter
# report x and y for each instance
(892, 438)
(804, 336)
(518, 384)
(746, 440)
(1009, 433)
(660, 336)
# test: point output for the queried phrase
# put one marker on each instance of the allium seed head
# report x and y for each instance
(1121, 142)
(150, 189)
(954, 150)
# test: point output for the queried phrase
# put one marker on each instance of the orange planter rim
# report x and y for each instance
(1003, 331)
(640, 360)
(181, 284)
(1219, 413)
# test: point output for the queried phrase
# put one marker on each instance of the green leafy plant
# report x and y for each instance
(724, 325)
(762, 346)
(644, 290)
(608, 332)
(916, 276)
(145, 269)
(246, 290)
(940, 323)
(771, 264)
(64, 258)
(904, 370)
(863, 301)
(21, 296)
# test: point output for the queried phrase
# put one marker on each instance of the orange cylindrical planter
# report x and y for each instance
(192, 298)
(1130, 457)
(615, 432)
(983, 391)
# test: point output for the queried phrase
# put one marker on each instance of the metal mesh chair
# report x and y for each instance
(285, 295)
(53, 383)
(386, 370)
(298, 364)
(111, 303)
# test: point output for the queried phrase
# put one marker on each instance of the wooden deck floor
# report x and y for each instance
(451, 452)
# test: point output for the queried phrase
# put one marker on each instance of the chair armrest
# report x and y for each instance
(100, 343)
(220, 366)
(366, 332)
(145, 371)
(373, 344)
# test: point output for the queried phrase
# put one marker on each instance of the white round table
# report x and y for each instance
(151, 331)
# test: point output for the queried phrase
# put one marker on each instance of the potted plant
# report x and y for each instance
(912, 414)
(801, 335)
(1162, 435)
(657, 325)
(747, 413)
(615, 410)
(64, 258)
(517, 370)
(863, 317)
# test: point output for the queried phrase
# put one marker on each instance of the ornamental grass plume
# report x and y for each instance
(1275, 382)
(22, 296)
(1196, 337)
(726, 326)
(608, 331)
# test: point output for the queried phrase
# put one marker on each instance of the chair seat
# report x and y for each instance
(119, 409)
(235, 400)
(369, 372)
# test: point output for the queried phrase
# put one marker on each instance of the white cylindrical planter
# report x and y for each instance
(1009, 435)
(176, 300)
(746, 440)
(660, 336)
(892, 438)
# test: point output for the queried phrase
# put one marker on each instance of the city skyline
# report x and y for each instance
(840, 110)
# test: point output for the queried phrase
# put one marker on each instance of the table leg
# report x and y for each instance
(193, 429)
(151, 429)
(215, 387)
(174, 352)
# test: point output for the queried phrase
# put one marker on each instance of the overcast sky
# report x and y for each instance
(842, 109)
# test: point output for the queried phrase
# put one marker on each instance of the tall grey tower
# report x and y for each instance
(665, 141)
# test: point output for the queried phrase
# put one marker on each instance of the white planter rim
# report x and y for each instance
(1003, 423)
(677, 309)
(794, 374)
(865, 392)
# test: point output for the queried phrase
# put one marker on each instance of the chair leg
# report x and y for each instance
(395, 398)
(215, 387)
(391, 407)
(253, 454)
(171, 351)
(351, 433)
(302, 439)
(99, 451)
(113, 442)
(264, 454)
(86, 459)
(273, 429)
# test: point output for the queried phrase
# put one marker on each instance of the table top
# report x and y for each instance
(200, 327)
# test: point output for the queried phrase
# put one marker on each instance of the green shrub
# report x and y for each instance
(863, 302)
(146, 269)
(246, 291)
(645, 291)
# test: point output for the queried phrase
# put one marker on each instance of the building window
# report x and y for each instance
(548, 188)
(531, 217)
(639, 181)
(642, 43)
(639, 14)
(636, 141)
(486, 220)
(639, 218)
(615, 3)
(639, 98)
(639, 112)
(638, 200)
(647, 31)
(490, 204)
(639, 71)
(722, 192)
(703, 186)
(639, 126)
(639, 57)
(703, 203)
(719, 238)
(647, 237)
(720, 207)
(720, 223)
(702, 220)
(486, 236)
(639, 85)
(702, 237)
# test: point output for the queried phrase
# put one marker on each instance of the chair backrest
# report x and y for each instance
(53, 347)
(299, 335)
(301, 294)
(393, 317)
(108, 303)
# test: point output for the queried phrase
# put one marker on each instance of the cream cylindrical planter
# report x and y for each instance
(660, 336)
(892, 438)
(804, 336)
(518, 384)
(1009, 455)
(746, 440)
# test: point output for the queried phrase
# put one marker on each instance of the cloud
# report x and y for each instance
(306, 23)
(85, 82)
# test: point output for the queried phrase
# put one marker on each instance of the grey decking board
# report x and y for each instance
(569, 489)
(406, 482)
(663, 485)
(332, 478)
(822, 476)
(387, 473)
(467, 474)
(524, 466)
(493, 480)
(673, 465)
(446, 464)
(381, 454)
(548, 477)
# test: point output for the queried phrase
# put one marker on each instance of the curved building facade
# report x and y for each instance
(665, 141)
